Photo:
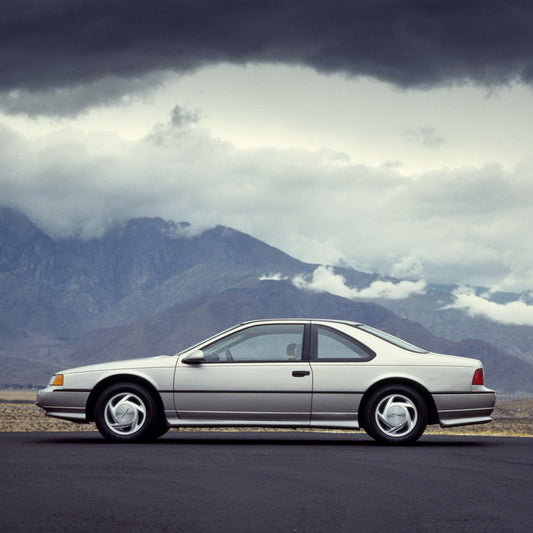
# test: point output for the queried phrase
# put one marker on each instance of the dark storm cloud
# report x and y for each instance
(49, 45)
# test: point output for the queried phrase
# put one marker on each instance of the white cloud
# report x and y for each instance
(273, 277)
(393, 291)
(464, 225)
(520, 276)
(408, 267)
(517, 312)
(324, 279)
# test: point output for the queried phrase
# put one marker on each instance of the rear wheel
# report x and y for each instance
(127, 412)
(396, 414)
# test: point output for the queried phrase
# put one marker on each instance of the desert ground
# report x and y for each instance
(19, 413)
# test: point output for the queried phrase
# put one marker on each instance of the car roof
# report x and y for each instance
(299, 321)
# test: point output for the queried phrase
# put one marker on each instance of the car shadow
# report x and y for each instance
(275, 438)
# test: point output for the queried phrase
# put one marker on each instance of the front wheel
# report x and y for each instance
(127, 412)
(396, 414)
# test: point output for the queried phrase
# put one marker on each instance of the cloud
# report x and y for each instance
(66, 101)
(66, 45)
(273, 277)
(518, 277)
(408, 267)
(426, 136)
(393, 291)
(447, 226)
(183, 117)
(517, 312)
(324, 279)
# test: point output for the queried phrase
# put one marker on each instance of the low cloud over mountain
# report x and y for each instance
(514, 312)
(324, 279)
(151, 286)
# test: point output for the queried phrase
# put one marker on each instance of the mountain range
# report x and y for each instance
(151, 286)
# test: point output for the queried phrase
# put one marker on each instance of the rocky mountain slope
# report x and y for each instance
(152, 286)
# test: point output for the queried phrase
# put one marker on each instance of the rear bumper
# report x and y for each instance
(64, 404)
(461, 409)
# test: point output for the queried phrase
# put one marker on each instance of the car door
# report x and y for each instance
(340, 374)
(258, 374)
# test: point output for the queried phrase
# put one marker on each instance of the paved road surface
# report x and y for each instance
(280, 482)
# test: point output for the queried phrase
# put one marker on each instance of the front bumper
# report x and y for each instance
(66, 404)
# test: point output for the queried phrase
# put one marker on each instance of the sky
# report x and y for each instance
(391, 136)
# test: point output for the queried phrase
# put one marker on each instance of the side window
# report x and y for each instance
(276, 342)
(333, 345)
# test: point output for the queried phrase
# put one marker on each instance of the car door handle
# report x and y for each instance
(300, 373)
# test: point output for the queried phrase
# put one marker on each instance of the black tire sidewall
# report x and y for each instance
(376, 433)
(150, 426)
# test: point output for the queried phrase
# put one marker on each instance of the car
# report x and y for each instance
(297, 373)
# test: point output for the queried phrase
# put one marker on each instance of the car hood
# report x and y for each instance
(158, 361)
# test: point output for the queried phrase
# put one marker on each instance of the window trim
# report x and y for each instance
(392, 339)
(305, 346)
(314, 347)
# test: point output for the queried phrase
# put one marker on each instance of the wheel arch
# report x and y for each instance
(433, 417)
(121, 378)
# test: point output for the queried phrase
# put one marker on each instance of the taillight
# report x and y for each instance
(478, 378)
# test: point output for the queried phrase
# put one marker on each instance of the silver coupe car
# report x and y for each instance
(278, 373)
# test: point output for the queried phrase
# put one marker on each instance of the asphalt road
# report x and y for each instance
(280, 482)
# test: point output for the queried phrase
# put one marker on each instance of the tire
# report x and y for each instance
(161, 429)
(127, 412)
(396, 414)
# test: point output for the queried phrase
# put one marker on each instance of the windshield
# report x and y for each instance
(392, 339)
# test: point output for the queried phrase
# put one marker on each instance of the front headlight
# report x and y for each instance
(57, 380)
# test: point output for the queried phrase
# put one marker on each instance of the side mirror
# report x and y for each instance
(194, 358)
